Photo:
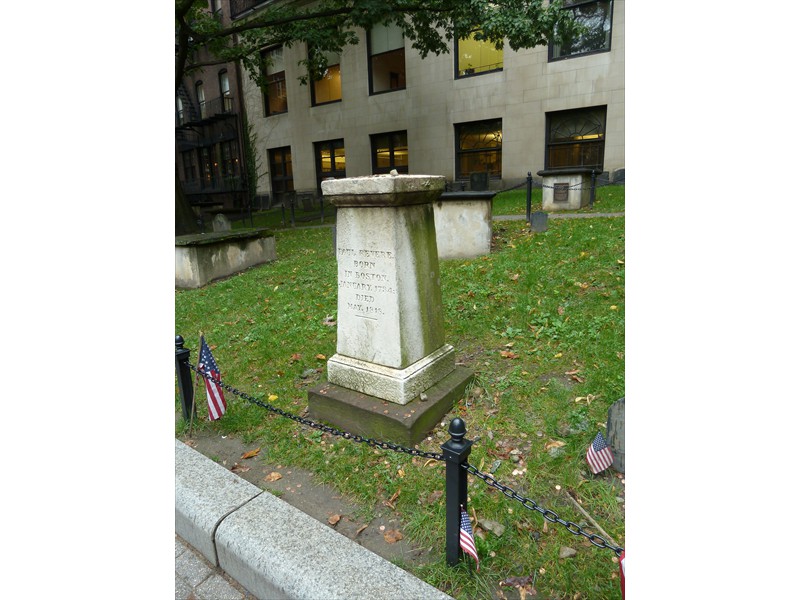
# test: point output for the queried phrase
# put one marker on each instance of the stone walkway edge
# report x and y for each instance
(273, 549)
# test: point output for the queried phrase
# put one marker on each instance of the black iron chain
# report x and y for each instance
(551, 516)
(319, 426)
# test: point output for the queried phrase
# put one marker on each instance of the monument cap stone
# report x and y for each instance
(383, 190)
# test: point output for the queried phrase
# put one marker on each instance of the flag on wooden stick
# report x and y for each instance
(466, 541)
(599, 454)
(208, 366)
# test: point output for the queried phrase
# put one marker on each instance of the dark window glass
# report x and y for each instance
(479, 148)
(189, 165)
(280, 168)
(390, 151)
(328, 88)
(596, 17)
(201, 98)
(225, 91)
(387, 57)
(229, 159)
(330, 160)
(207, 166)
(576, 138)
(275, 100)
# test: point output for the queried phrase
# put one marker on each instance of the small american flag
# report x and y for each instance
(599, 454)
(466, 541)
(208, 366)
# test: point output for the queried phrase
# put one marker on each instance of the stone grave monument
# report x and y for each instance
(393, 376)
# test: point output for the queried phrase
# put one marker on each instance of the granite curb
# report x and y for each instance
(268, 547)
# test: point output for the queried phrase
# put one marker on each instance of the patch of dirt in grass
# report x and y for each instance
(300, 489)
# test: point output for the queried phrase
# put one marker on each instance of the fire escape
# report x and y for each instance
(208, 147)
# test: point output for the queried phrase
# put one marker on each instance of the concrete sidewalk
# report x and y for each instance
(237, 541)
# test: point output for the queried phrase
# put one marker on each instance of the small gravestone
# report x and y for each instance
(479, 182)
(615, 429)
(538, 221)
(221, 223)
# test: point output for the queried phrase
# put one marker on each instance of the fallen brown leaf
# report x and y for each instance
(252, 453)
(508, 354)
(334, 519)
(554, 444)
(392, 536)
(274, 476)
(237, 468)
(320, 356)
(390, 502)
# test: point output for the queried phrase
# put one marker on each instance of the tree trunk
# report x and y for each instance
(185, 219)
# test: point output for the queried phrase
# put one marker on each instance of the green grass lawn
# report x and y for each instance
(541, 323)
(608, 199)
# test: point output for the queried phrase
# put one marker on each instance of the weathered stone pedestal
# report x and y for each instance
(390, 346)
(566, 189)
(463, 224)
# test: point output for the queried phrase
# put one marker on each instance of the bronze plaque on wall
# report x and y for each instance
(560, 192)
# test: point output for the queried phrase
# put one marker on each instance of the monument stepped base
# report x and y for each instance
(372, 417)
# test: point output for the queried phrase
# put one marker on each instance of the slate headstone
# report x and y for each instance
(221, 223)
(538, 221)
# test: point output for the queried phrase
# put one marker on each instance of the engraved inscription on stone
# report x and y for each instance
(364, 282)
(560, 192)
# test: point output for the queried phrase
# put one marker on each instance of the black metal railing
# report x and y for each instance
(216, 107)
(215, 185)
(455, 452)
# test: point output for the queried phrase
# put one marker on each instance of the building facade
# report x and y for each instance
(209, 134)
(476, 111)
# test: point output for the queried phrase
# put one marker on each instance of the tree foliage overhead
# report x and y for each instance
(330, 25)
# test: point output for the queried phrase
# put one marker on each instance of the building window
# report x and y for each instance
(229, 158)
(180, 113)
(207, 164)
(387, 59)
(330, 160)
(477, 56)
(576, 138)
(225, 91)
(390, 151)
(280, 168)
(201, 98)
(275, 101)
(595, 16)
(479, 148)
(328, 88)
(189, 165)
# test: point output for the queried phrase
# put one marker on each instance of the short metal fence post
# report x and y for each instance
(456, 451)
(184, 373)
(528, 197)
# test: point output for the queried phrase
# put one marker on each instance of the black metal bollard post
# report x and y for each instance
(184, 373)
(456, 451)
(528, 197)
